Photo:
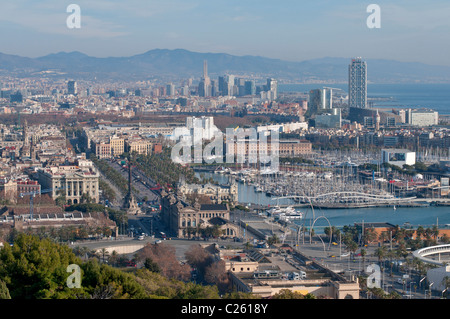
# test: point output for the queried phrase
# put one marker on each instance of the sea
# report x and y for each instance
(431, 96)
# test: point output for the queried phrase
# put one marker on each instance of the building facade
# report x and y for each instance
(398, 157)
(184, 220)
(421, 117)
(320, 101)
(357, 83)
(74, 182)
(216, 193)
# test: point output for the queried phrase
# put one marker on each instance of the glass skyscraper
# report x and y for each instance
(357, 83)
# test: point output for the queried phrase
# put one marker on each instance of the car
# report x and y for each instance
(158, 241)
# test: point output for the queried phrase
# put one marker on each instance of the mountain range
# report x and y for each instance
(182, 64)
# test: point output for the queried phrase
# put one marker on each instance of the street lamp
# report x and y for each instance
(429, 288)
(420, 282)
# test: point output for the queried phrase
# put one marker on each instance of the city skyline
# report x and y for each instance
(294, 31)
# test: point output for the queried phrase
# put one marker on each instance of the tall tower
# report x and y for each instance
(272, 87)
(357, 83)
(129, 203)
(377, 121)
(205, 70)
(204, 87)
(72, 87)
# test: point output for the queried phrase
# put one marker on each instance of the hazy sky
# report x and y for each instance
(411, 30)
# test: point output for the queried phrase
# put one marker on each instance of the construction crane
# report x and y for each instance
(34, 193)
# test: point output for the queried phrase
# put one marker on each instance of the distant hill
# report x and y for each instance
(179, 63)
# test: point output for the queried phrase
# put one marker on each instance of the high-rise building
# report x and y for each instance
(357, 83)
(320, 101)
(72, 87)
(170, 89)
(204, 87)
(223, 86)
(272, 86)
(250, 87)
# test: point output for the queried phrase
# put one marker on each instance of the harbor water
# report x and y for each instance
(402, 216)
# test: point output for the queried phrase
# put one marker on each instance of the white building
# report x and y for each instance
(398, 157)
(72, 181)
(421, 117)
(202, 128)
(282, 128)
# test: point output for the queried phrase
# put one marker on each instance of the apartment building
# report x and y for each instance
(138, 145)
(286, 148)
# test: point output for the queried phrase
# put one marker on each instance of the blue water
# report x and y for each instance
(433, 96)
(415, 216)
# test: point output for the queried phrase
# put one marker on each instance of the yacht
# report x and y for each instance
(289, 216)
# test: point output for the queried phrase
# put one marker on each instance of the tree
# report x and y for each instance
(102, 281)
(4, 291)
(273, 240)
(35, 268)
(199, 259)
(351, 246)
(363, 255)
(216, 274)
(380, 253)
(289, 294)
(435, 232)
(164, 256)
(370, 235)
(420, 231)
(152, 266)
(104, 253)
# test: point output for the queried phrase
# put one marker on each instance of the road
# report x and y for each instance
(140, 182)
(391, 277)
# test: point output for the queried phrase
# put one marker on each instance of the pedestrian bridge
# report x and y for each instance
(423, 254)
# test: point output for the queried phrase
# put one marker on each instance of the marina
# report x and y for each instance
(401, 214)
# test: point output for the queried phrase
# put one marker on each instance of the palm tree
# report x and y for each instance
(383, 237)
(114, 257)
(92, 254)
(84, 252)
(104, 253)
(273, 240)
(351, 246)
(380, 253)
(363, 255)
(420, 232)
(435, 232)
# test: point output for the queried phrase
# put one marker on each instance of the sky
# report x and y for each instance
(292, 30)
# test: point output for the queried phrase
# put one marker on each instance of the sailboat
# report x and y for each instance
(395, 208)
